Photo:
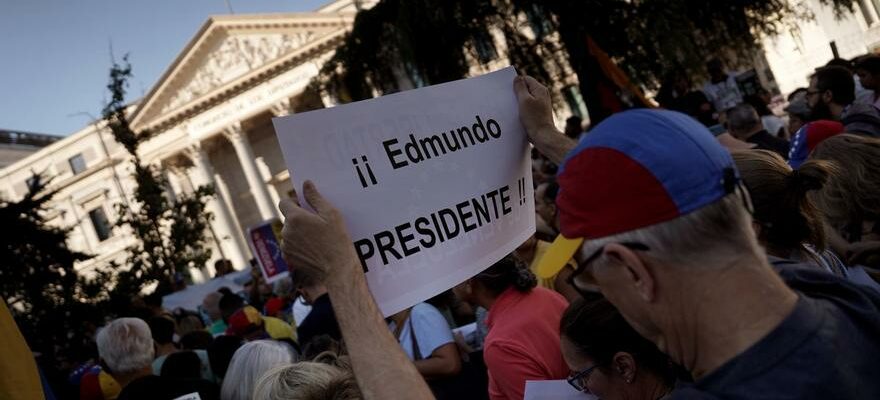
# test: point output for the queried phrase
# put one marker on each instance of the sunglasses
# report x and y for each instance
(584, 283)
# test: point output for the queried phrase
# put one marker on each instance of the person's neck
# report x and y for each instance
(165, 349)
(753, 132)
(528, 254)
(730, 312)
(484, 300)
(648, 386)
(836, 110)
(788, 253)
(124, 379)
(315, 292)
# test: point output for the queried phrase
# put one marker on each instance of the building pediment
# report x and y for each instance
(229, 49)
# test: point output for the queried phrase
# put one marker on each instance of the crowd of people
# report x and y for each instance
(710, 250)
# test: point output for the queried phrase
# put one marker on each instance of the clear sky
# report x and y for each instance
(55, 54)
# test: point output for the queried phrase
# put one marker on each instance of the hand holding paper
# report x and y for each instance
(434, 184)
(536, 115)
(535, 110)
(317, 244)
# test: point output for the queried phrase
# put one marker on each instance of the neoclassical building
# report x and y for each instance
(210, 118)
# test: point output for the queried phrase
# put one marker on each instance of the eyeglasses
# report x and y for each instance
(585, 284)
(579, 380)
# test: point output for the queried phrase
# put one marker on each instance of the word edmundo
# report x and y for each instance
(418, 150)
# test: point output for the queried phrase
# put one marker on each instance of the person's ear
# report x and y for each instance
(624, 364)
(827, 96)
(639, 273)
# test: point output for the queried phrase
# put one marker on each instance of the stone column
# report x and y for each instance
(249, 166)
(223, 223)
(266, 173)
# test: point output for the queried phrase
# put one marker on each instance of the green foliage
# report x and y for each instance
(45, 294)
(170, 231)
(647, 38)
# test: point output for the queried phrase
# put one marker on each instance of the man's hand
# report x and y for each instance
(535, 111)
(536, 115)
(316, 244)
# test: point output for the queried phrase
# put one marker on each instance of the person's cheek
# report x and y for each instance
(600, 387)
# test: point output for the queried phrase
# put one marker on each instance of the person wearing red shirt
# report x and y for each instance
(523, 321)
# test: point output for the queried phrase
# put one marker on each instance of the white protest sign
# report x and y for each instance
(434, 184)
(553, 390)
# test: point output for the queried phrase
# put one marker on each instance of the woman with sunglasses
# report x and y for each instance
(608, 358)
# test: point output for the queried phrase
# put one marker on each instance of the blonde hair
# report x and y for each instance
(854, 195)
(788, 218)
(307, 381)
(333, 359)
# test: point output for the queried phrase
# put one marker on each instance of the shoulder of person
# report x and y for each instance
(424, 317)
(504, 350)
(552, 296)
(425, 311)
(815, 283)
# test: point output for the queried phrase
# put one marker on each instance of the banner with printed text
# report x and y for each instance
(435, 183)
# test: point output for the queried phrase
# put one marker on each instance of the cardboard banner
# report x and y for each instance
(264, 241)
(435, 183)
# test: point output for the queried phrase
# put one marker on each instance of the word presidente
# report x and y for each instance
(418, 150)
(435, 228)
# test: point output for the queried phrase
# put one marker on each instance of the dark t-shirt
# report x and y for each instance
(320, 321)
(827, 348)
(163, 388)
(766, 141)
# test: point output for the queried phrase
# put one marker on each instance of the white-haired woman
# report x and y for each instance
(249, 363)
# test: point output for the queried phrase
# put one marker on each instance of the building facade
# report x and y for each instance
(792, 57)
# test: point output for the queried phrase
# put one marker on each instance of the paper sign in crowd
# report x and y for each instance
(434, 184)
(265, 243)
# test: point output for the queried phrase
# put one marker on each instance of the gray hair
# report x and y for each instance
(126, 345)
(742, 118)
(249, 363)
(712, 236)
(307, 381)
(283, 287)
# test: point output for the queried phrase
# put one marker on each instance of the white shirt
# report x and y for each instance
(431, 331)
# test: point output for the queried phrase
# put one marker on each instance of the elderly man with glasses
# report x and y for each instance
(651, 207)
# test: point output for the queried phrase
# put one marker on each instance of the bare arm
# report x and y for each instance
(536, 115)
(317, 244)
(443, 362)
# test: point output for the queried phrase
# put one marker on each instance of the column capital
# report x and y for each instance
(281, 108)
(233, 132)
(196, 152)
